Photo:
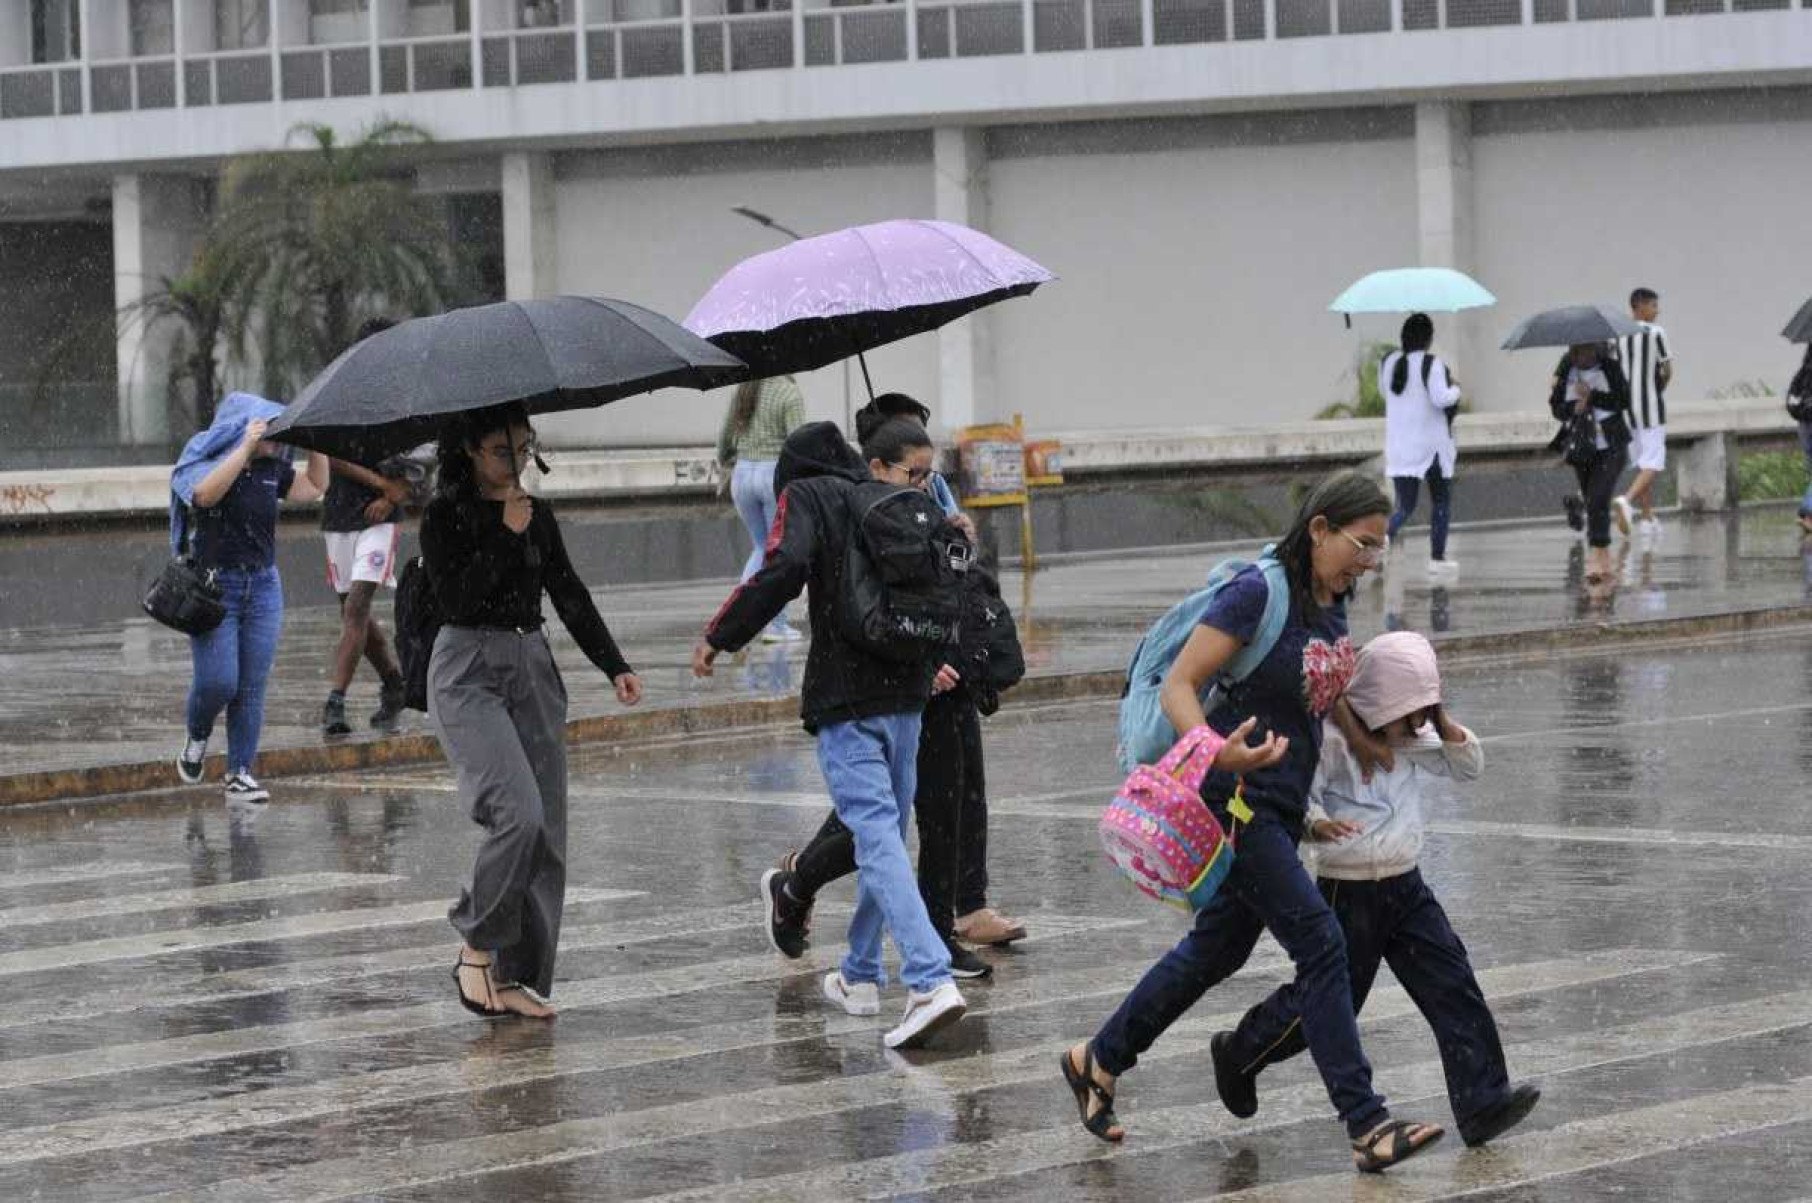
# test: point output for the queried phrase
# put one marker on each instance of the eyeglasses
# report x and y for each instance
(505, 455)
(1370, 554)
(914, 476)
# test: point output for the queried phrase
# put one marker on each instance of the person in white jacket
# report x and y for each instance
(1419, 400)
(1366, 839)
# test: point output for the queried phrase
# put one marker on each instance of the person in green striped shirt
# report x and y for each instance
(761, 415)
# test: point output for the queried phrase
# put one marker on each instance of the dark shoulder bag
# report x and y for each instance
(185, 597)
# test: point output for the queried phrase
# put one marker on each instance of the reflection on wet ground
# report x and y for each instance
(85, 695)
(255, 1004)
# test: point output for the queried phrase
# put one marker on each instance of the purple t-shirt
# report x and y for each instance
(1290, 693)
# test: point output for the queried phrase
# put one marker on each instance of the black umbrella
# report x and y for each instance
(393, 391)
(1799, 330)
(1569, 326)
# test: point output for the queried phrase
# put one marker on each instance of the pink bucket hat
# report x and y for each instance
(1397, 675)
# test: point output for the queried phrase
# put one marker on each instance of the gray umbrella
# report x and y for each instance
(1569, 326)
(394, 390)
(1799, 330)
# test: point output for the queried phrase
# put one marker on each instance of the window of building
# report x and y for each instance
(241, 24)
(153, 27)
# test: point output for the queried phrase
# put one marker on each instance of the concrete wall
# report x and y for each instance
(1699, 197)
(1197, 258)
(655, 227)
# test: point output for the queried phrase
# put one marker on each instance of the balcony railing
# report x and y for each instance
(635, 39)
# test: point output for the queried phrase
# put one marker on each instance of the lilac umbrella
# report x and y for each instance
(822, 299)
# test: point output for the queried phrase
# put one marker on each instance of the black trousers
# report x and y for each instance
(952, 809)
(1397, 920)
(1598, 485)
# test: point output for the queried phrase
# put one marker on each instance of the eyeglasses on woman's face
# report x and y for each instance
(1366, 552)
(914, 476)
(506, 453)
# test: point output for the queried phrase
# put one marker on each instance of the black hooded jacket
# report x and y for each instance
(806, 548)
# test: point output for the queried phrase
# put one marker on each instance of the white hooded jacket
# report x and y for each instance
(1391, 808)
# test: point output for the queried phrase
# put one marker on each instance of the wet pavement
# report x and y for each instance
(255, 1004)
(91, 693)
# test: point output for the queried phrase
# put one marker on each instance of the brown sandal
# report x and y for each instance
(1392, 1143)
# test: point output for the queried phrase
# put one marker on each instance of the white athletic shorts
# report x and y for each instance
(1648, 448)
(362, 555)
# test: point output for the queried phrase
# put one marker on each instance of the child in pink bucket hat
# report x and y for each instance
(1367, 837)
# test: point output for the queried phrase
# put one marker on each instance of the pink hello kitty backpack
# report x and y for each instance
(1160, 833)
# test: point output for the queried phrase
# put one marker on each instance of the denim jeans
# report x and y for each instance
(1397, 921)
(871, 768)
(752, 492)
(233, 662)
(1805, 445)
(1440, 499)
(1267, 890)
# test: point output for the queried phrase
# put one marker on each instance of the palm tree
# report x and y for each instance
(312, 244)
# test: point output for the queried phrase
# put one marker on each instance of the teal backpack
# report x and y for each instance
(1145, 734)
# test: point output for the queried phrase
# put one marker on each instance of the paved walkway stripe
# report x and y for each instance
(1718, 838)
(291, 927)
(1413, 1089)
(51, 875)
(310, 971)
(1584, 730)
(170, 900)
(612, 1133)
(570, 996)
(1561, 1151)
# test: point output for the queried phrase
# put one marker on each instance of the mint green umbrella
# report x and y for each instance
(1413, 290)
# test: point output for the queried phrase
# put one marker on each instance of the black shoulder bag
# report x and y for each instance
(185, 597)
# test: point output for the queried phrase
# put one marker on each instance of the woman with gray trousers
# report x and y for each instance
(499, 705)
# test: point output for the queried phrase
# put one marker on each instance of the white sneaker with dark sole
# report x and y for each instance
(926, 1016)
(1624, 513)
(189, 761)
(242, 787)
(856, 998)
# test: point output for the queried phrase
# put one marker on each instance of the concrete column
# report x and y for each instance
(1707, 474)
(158, 220)
(965, 360)
(1444, 216)
(530, 255)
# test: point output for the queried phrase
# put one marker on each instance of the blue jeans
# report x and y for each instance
(1440, 498)
(233, 662)
(1267, 890)
(871, 768)
(1805, 444)
(752, 492)
(1397, 921)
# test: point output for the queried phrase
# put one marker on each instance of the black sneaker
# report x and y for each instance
(788, 920)
(188, 761)
(242, 787)
(390, 708)
(1238, 1091)
(965, 964)
(1575, 511)
(333, 718)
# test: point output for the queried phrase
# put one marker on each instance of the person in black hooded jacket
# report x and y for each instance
(864, 710)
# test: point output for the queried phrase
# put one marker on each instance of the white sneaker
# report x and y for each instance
(858, 998)
(1623, 513)
(1446, 568)
(1651, 528)
(926, 1016)
(242, 787)
(189, 760)
(782, 634)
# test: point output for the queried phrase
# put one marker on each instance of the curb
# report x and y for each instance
(69, 785)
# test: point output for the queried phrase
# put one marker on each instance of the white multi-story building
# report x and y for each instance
(1204, 175)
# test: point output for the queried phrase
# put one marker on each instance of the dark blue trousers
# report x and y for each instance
(1396, 920)
(1267, 890)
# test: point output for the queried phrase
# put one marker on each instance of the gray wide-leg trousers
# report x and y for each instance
(499, 706)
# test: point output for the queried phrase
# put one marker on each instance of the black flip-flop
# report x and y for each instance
(1499, 1118)
(1084, 1086)
(1368, 1158)
(487, 1009)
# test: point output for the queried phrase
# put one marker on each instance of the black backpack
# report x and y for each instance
(418, 623)
(903, 572)
(991, 657)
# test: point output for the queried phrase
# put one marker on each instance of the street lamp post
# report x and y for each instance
(762, 219)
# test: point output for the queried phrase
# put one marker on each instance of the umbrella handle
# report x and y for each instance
(1349, 320)
(866, 382)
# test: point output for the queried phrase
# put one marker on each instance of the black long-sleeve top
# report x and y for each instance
(486, 575)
